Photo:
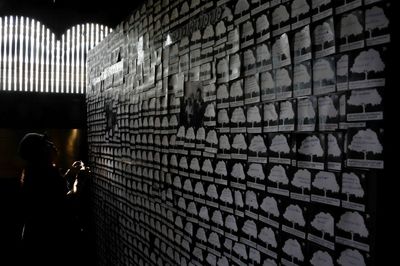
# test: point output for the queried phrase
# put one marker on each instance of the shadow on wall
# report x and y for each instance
(70, 145)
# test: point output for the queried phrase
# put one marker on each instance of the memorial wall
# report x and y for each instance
(239, 132)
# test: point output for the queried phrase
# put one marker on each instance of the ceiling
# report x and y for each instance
(60, 15)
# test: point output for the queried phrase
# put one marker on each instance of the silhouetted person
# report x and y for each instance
(198, 109)
(50, 228)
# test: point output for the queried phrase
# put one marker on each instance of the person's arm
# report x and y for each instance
(72, 173)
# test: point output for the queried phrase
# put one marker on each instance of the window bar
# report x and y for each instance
(52, 64)
(42, 57)
(62, 60)
(67, 65)
(14, 83)
(32, 55)
(73, 50)
(37, 58)
(21, 53)
(47, 62)
(10, 52)
(1, 53)
(78, 61)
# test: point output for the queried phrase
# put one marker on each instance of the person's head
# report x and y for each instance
(37, 148)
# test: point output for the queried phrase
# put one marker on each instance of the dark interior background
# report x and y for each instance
(63, 118)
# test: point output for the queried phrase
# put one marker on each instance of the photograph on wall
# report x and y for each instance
(193, 107)
(223, 70)
(311, 151)
(195, 58)
(365, 148)
(268, 243)
(270, 117)
(318, 255)
(328, 112)
(251, 210)
(280, 19)
(234, 66)
(267, 84)
(223, 96)
(353, 230)
(233, 43)
(221, 175)
(194, 170)
(270, 209)
(211, 143)
(194, 73)
(287, 115)
(301, 45)
(238, 198)
(238, 179)
(221, 36)
(224, 146)
(263, 27)
(295, 218)
(300, 13)
(249, 62)
(365, 105)
(238, 120)
(195, 40)
(302, 79)
(208, 38)
(173, 108)
(256, 176)
(325, 188)
(254, 118)
(346, 5)
(251, 89)
(200, 139)
(239, 146)
(283, 82)
(223, 121)
(207, 72)
(355, 189)
(324, 76)
(246, 34)
(367, 68)
(346, 254)
(300, 184)
(241, 11)
(334, 152)
(377, 24)
(278, 176)
(321, 9)
(207, 53)
(324, 38)
(350, 31)
(293, 250)
(342, 72)
(236, 93)
(263, 57)
(281, 51)
(307, 113)
(207, 173)
(210, 93)
(279, 148)
(321, 227)
(209, 118)
(257, 150)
